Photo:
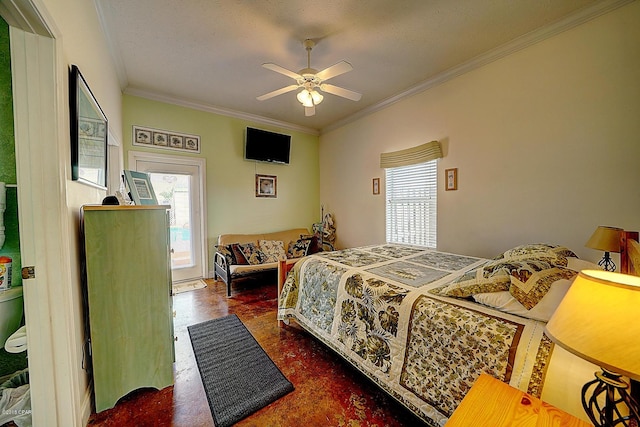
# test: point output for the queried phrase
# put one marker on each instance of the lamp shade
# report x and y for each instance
(605, 239)
(597, 321)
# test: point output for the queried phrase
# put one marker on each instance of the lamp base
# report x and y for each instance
(612, 389)
(606, 263)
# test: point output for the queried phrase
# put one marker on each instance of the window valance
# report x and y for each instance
(411, 156)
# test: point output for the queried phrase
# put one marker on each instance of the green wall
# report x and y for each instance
(11, 247)
(230, 188)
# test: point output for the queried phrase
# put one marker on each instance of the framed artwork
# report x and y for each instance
(88, 133)
(266, 186)
(451, 179)
(376, 185)
(140, 188)
(167, 140)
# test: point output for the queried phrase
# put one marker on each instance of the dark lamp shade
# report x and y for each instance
(597, 321)
(605, 239)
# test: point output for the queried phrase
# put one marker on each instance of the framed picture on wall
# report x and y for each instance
(376, 185)
(451, 179)
(266, 186)
(88, 133)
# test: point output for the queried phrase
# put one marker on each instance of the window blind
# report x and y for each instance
(411, 204)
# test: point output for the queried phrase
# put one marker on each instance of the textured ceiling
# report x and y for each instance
(210, 52)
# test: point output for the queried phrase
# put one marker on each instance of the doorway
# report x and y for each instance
(179, 182)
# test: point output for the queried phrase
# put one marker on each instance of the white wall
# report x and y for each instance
(80, 37)
(546, 142)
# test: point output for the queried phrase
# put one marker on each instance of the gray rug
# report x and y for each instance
(238, 376)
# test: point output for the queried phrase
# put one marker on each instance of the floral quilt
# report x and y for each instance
(373, 306)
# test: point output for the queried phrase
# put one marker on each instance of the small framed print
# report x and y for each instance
(266, 186)
(451, 179)
(142, 136)
(176, 141)
(376, 185)
(140, 188)
(160, 138)
(192, 143)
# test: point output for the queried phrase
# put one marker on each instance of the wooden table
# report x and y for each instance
(493, 403)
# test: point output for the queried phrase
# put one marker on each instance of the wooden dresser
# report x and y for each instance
(128, 293)
(493, 403)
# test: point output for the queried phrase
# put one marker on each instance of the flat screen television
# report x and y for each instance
(264, 146)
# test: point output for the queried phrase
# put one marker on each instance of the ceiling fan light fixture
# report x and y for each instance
(309, 98)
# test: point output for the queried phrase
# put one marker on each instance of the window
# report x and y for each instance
(411, 204)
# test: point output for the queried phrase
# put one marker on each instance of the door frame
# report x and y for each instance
(39, 99)
(201, 164)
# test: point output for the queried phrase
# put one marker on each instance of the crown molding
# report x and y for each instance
(584, 15)
(219, 110)
(104, 14)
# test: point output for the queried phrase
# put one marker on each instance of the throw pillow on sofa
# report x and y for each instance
(314, 243)
(253, 254)
(273, 249)
(233, 254)
(298, 249)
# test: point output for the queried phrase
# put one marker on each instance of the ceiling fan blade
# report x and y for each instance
(281, 70)
(277, 92)
(309, 111)
(345, 93)
(334, 70)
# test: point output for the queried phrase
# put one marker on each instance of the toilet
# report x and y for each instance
(11, 308)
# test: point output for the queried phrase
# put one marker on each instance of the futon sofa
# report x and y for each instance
(242, 255)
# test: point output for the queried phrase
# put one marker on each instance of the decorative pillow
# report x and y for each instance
(314, 243)
(494, 276)
(225, 251)
(530, 291)
(554, 254)
(273, 249)
(482, 279)
(298, 249)
(240, 259)
(504, 301)
(253, 254)
(578, 265)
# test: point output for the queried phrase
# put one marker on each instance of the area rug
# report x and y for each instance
(238, 376)
(188, 286)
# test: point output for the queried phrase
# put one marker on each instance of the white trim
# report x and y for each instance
(219, 110)
(201, 164)
(104, 10)
(39, 98)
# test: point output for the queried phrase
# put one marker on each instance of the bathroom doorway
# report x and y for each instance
(179, 182)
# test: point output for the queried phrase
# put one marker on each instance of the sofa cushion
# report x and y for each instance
(273, 249)
(253, 254)
(240, 258)
(285, 236)
(298, 248)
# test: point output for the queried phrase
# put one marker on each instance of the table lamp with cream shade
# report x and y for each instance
(597, 321)
(605, 239)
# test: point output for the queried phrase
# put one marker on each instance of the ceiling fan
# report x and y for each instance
(310, 80)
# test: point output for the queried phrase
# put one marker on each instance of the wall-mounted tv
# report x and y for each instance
(264, 146)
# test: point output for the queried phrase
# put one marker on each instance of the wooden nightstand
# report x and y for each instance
(493, 403)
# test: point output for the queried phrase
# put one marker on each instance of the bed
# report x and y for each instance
(423, 325)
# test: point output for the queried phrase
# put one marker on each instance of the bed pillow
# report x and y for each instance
(298, 249)
(554, 254)
(273, 249)
(577, 264)
(494, 276)
(505, 302)
(532, 290)
(253, 254)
